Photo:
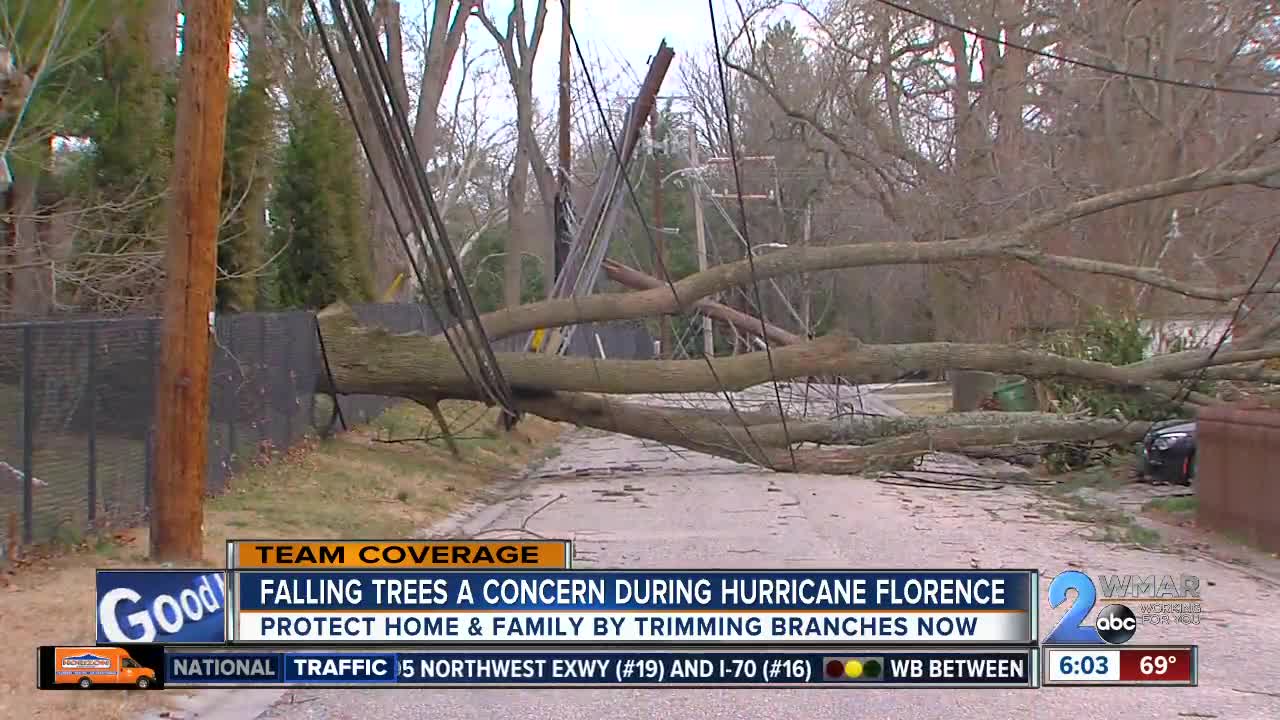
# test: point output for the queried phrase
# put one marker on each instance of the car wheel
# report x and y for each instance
(1169, 473)
(86, 682)
(144, 682)
(1143, 469)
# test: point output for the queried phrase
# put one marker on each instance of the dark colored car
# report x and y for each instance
(1168, 452)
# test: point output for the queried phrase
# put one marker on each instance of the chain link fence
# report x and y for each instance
(76, 407)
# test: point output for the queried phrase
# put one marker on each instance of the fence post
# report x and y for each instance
(287, 381)
(236, 384)
(149, 445)
(28, 432)
(260, 380)
(93, 421)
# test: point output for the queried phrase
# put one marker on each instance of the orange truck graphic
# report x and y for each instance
(89, 666)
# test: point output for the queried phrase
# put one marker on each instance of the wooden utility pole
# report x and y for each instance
(700, 227)
(659, 228)
(564, 234)
(565, 66)
(182, 392)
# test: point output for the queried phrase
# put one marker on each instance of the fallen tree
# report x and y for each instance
(584, 391)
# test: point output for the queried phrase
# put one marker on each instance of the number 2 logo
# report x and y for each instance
(1069, 631)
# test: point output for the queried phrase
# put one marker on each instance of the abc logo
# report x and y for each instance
(1116, 624)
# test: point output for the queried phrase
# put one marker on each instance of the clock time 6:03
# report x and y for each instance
(1083, 665)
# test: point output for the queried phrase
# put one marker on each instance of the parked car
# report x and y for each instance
(1168, 452)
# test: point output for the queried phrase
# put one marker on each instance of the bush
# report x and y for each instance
(1117, 340)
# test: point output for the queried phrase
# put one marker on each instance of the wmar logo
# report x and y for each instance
(1115, 624)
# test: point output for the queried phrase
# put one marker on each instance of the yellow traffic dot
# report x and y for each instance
(853, 669)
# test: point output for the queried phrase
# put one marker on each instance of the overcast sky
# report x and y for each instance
(620, 35)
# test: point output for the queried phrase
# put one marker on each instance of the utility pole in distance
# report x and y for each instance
(659, 227)
(563, 233)
(182, 388)
(700, 227)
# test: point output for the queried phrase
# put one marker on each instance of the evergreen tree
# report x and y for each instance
(124, 178)
(246, 170)
(318, 221)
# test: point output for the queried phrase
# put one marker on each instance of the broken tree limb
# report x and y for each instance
(1017, 243)
(879, 447)
(637, 280)
(434, 406)
(1147, 276)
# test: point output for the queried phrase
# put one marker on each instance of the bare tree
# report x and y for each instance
(946, 128)
(519, 44)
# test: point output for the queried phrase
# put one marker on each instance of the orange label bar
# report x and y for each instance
(452, 554)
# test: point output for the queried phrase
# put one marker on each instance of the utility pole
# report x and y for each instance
(564, 233)
(659, 226)
(182, 393)
(700, 227)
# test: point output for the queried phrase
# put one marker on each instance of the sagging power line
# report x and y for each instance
(391, 124)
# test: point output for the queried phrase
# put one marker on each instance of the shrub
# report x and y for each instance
(1114, 339)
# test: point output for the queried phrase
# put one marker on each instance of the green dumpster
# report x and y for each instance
(1015, 396)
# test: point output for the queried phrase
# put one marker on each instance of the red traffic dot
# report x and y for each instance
(835, 669)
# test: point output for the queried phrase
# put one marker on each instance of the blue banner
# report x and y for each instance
(766, 590)
(161, 606)
(603, 668)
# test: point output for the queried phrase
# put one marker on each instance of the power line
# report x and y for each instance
(648, 231)
(742, 210)
(1236, 317)
(1079, 63)
(368, 61)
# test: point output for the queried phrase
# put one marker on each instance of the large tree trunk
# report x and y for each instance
(413, 365)
(421, 367)
(32, 289)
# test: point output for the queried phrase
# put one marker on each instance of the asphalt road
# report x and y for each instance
(697, 512)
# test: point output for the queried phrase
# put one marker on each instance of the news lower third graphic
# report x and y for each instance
(1159, 599)
(100, 667)
(633, 607)
(161, 606)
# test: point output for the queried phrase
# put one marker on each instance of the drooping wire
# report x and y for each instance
(457, 296)
(635, 199)
(746, 235)
(485, 375)
(380, 123)
(1257, 92)
(1188, 384)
